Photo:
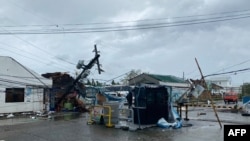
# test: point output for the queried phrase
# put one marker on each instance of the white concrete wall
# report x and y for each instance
(33, 101)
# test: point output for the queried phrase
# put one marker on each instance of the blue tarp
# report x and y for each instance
(177, 120)
(245, 99)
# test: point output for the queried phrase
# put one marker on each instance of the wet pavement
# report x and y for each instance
(203, 126)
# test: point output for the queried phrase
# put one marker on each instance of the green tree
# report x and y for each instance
(133, 73)
(98, 83)
(93, 82)
(245, 89)
(113, 82)
(88, 82)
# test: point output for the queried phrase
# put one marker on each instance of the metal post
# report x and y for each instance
(186, 112)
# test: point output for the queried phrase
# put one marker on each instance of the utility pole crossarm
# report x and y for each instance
(97, 61)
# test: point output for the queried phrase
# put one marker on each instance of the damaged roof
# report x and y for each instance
(14, 74)
(167, 78)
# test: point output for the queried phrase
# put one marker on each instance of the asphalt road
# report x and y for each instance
(204, 127)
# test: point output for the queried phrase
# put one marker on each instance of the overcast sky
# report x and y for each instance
(157, 36)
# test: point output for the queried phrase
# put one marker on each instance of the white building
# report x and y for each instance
(21, 89)
(225, 82)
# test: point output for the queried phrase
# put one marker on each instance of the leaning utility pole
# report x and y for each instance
(83, 74)
(206, 88)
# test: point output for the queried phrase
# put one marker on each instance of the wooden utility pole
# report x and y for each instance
(208, 92)
(85, 68)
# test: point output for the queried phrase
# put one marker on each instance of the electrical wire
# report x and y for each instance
(234, 65)
(32, 58)
(15, 82)
(130, 27)
(31, 44)
(236, 71)
(126, 28)
(133, 21)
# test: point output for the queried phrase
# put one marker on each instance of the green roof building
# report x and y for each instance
(168, 80)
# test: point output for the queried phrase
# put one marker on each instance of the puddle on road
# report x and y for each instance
(66, 116)
(31, 118)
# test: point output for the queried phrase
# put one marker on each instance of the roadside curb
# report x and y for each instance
(216, 106)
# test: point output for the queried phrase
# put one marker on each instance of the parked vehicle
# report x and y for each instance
(230, 97)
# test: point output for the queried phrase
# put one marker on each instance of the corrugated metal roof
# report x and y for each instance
(167, 78)
(14, 74)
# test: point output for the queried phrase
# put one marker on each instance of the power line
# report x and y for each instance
(234, 65)
(15, 76)
(112, 78)
(16, 82)
(31, 58)
(31, 44)
(126, 28)
(133, 21)
(118, 76)
(236, 71)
